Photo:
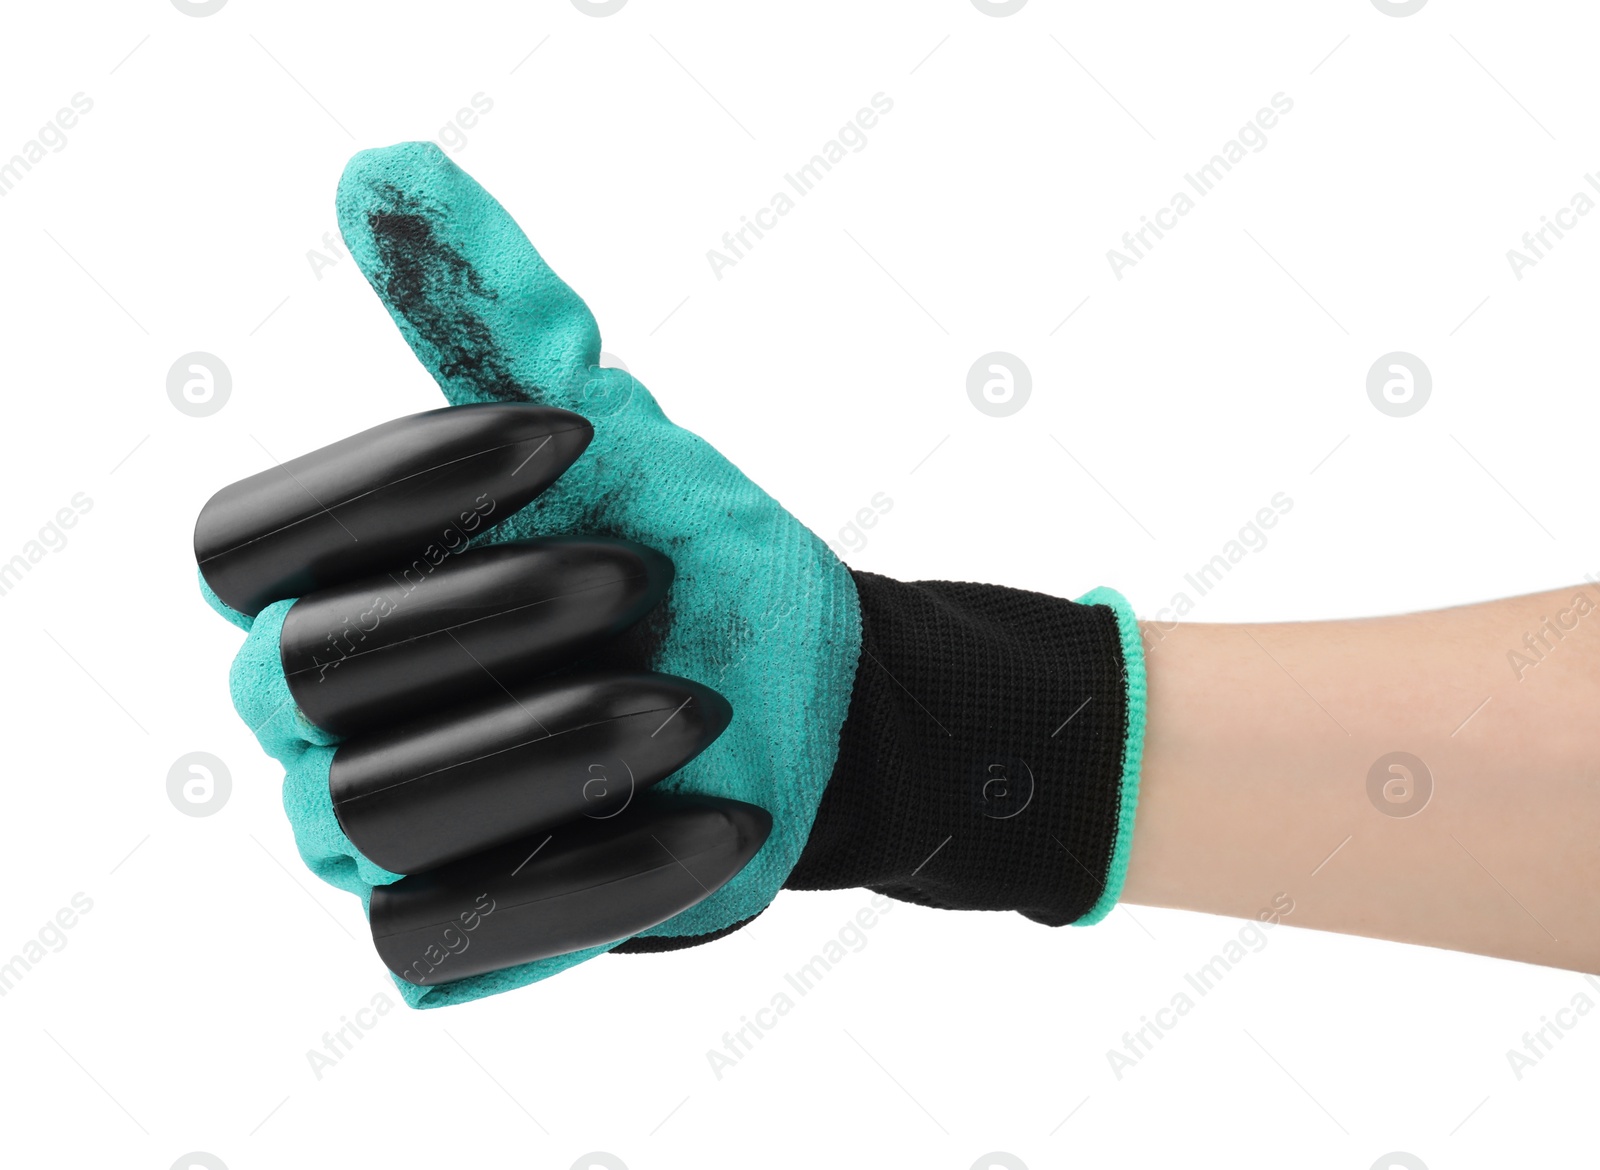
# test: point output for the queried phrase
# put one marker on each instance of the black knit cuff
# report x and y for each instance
(985, 760)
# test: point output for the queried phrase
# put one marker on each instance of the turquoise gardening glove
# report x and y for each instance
(760, 610)
(960, 746)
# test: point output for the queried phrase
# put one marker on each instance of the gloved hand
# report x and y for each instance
(961, 746)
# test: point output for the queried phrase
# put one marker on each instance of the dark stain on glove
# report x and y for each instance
(434, 288)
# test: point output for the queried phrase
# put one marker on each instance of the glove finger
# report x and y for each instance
(437, 789)
(305, 751)
(411, 490)
(583, 884)
(398, 645)
(481, 310)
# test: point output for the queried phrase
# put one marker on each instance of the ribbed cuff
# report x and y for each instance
(990, 757)
(1132, 748)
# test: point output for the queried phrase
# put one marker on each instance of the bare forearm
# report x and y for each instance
(1256, 770)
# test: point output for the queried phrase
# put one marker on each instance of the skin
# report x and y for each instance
(1255, 775)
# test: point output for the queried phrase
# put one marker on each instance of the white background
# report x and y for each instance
(1227, 366)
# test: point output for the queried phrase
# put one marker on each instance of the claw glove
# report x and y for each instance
(960, 746)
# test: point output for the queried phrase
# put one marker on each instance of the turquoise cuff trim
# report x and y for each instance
(1133, 748)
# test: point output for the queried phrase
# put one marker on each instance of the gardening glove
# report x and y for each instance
(961, 746)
